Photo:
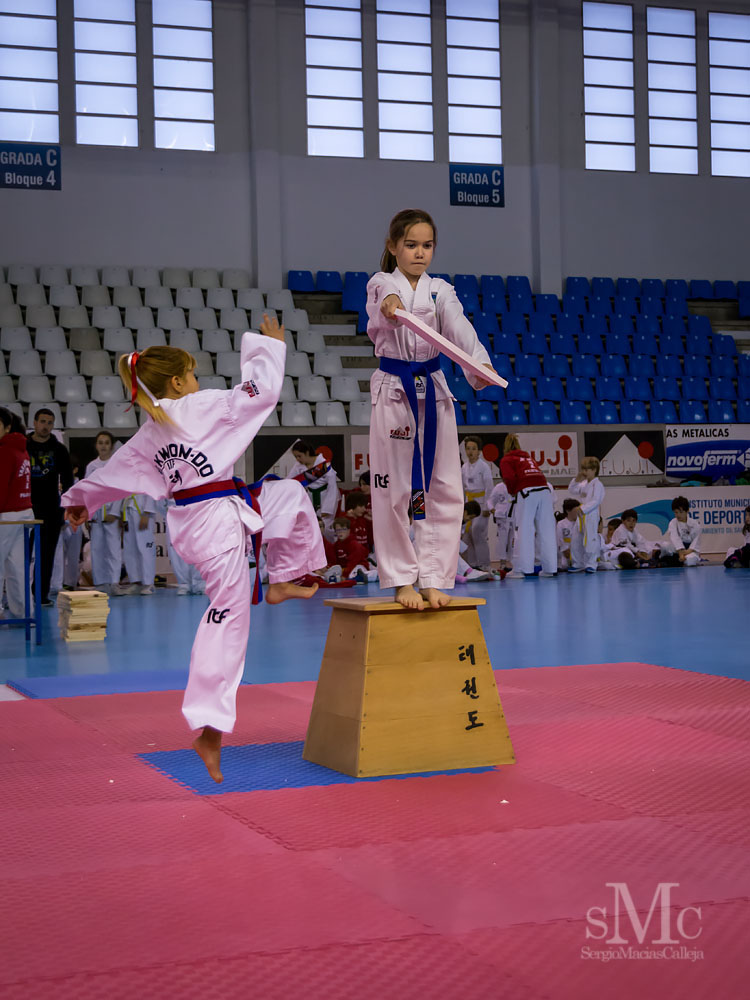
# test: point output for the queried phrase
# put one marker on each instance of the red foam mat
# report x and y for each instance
(119, 883)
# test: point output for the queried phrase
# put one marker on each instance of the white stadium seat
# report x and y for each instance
(73, 316)
(95, 295)
(287, 394)
(7, 392)
(24, 363)
(37, 316)
(234, 319)
(235, 279)
(295, 319)
(103, 317)
(359, 414)
(327, 363)
(126, 295)
(34, 389)
(71, 389)
(171, 319)
(214, 382)
(107, 389)
(85, 338)
(15, 338)
(151, 336)
(119, 415)
(84, 276)
(118, 341)
(144, 277)
(310, 341)
(250, 298)
(138, 318)
(228, 364)
(205, 277)
(50, 338)
(216, 341)
(330, 415)
(10, 315)
(156, 297)
(95, 363)
(204, 364)
(272, 420)
(296, 415)
(114, 276)
(53, 275)
(312, 388)
(31, 295)
(202, 319)
(186, 339)
(60, 363)
(256, 317)
(345, 387)
(82, 415)
(6, 295)
(175, 277)
(189, 298)
(63, 295)
(297, 363)
(281, 299)
(22, 274)
(220, 298)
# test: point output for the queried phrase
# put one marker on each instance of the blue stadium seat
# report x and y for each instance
(445, 277)
(698, 343)
(354, 296)
(546, 305)
(469, 301)
(328, 281)
(511, 412)
(573, 411)
(743, 411)
(300, 281)
(549, 387)
(669, 364)
(653, 287)
(677, 287)
(629, 288)
(542, 412)
(513, 322)
(590, 342)
(647, 325)
(460, 388)
(743, 365)
(641, 364)
(573, 303)
(694, 388)
(692, 411)
(699, 324)
(608, 388)
(485, 323)
(557, 365)
(595, 325)
(743, 386)
(457, 407)
(562, 343)
(674, 326)
(585, 366)
(695, 365)
(485, 341)
(721, 411)
(528, 365)
(541, 324)
(671, 343)
(633, 411)
(663, 412)
(614, 365)
(674, 306)
(520, 389)
(651, 306)
(637, 387)
(569, 324)
(721, 388)
(724, 344)
(721, 367)
(578, 286)
(579, 388)
(621, 324)
(506, 343)
(743, 305)
(534, 343)
(701, 289)
(599, 305)
(466, 283)
(446, 365)
(501, 364)
(626, 306)
(666, 388)
(603, 286)
(644, 342)
(495, 303)
(494, 393)
(518, 284)
(521, 303)
(480, 412)
(492, 285)
(604, 411)
(617, 343)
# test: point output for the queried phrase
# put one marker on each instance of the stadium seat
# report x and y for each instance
(186, 339)
(81, 416)
(573, 411)
(579, 388)
(555, 365)
(501, 364)
(534, 343)
(460, 420)
(145, 277)
(202, 319)
(205, 277)
(234, 319)
(563, 343)
(617, 343)
(669, 365)
(328, 281)
(171, 319)
(63, 295)
(647, 325)
(569, 325)
(653, 288)
(599, 305)
(359, 414)
(677, 288)
(53, 275)
(637, 387)
(625, 307)
(541, 323)
(629, 288)
(288, 393)
(6, 295)
(666, 388)
(115, 275)
(513, 322)
(698, 343)
(188, 298)
(214, 382)
(137, 318)
(107, 389)
(721, 411)
(721, 388)
(590, 343)
(692, 411)
(671, 343)
(651, 306)
(15, 338)
(543, 412)
(33, 389)
(156, 297)
(310, 341)
(608, 388)
(621, 324)
(641, 364)
(528, 365)
(694, 388)
(60, 363)
(11, 315)
(594, 326)
(506, 343)
(725, 290)
(204, 364)
(216, 298)
(330, 414)
(585, 366)
(469, 302)
(494, 393)
(546, 305)
(492, 285)
(84, 338)
(549, 387)
(84, 275)
(228, 364)
(520, 389)
(295, 319)
(518, 284)
(354, 296)
(485, 324)
(604, 411)
(96, 362)
(724, 344)
(33, 409)
(480, 411)
(466, 283)
(663, 412)
(50, 338)
(743, 411)
(633, 411)
(24, 363)
(674, 306)
(311, 388)
(494, 303)
(613, 365)
(460, 388)
(119, 415)
(37, 316)
(279, 300)
(574, 304)
(511, 411)
(721, 367)
(175, 277)
(701, 289)
(250, 299)
(126, 295)
(235, 278)
(578, 285)
(151, 336)
(297, 364)
(673, 326)
(300, 281)
(743, 365)
(695, 364)
(7, 391)
(346, 388)
(603, 286)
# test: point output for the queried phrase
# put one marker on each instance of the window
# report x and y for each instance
(729, 62)
(28, 71)
(404, 34)
(333, 46)
(473, 37)
(183, 74)
(105, 73)
(608, 86)
(672, 100)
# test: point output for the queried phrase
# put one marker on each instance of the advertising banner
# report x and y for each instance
(273, 453)
(29, 165)
(707, 450)
(627, 453)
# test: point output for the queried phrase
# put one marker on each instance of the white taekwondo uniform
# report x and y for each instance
(683, 535)
(189, 580)
(629, 541)
(138, 545)
(67, 566)
(323, 490)
(499, 502)
(431, 561)
(590, 495)
(567, 531)
(211, 430)
(477, 481)
(106, 545)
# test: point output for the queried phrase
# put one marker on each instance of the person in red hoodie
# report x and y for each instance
(361, 524)
(15, 505)
(533, 514)
(346, 553)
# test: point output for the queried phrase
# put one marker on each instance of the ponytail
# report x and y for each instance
(146, 377)
(511, 443)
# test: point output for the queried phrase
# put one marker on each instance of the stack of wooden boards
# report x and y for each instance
(82, 615)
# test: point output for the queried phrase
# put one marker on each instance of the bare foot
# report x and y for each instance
(208, 748)
(278, 592)
(409, 598)
(435, 598)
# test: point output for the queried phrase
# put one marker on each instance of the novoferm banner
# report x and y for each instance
(714, 450)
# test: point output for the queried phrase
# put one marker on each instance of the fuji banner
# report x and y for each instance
(627, 453)
(707, 450)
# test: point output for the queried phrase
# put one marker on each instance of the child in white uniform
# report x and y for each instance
(477, 480)
(188, 450)
(105, 527)
(629, 547)
(683, 538)
(567, 531)
(323, 488)
(138, 545)
(413, 418)
(588, 490)
(67, 565)
(189, 580)
(499, 504)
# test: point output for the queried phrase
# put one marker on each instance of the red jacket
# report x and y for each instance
(346, 554)
(15, 474)
(520, 472)
(362, 531)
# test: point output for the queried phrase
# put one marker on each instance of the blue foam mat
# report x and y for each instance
(78, 685)
(264, 767)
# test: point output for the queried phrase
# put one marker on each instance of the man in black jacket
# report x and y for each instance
(51, 475)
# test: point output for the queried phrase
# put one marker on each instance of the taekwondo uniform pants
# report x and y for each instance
(66, 569)
(11, 561)
(187, 576)
(294, 547)
(106, 552)
(586, 544)
(534, 519)
(431, 561)
(139, 552)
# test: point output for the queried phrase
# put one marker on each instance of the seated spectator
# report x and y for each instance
(346, 555)
(357, 512)
(567, 528)
(681, 546)
(629, 548)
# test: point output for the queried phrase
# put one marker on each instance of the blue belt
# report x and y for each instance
(407, 371)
